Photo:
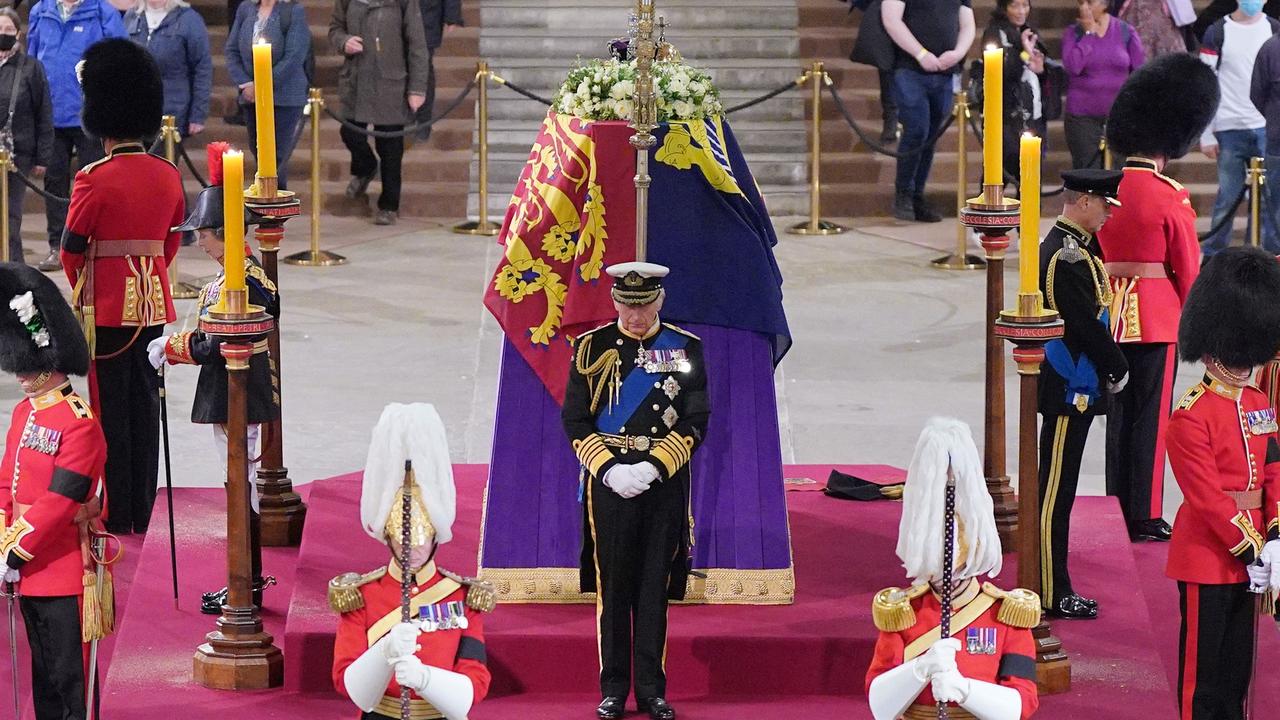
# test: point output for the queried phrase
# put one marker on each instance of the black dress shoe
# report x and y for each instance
(611, 708)
(657, 708)
(1072, 607)
(211, 602)
(359, 185)
(1155, 530)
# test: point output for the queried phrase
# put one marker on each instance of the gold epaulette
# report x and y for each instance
(344, 590)
(257, 273)
(1189, 398)
(89, 168)
(681, 330)
(81, 408)
(891, 609)
(1174, 183)
(1019, 607)
(481, 596)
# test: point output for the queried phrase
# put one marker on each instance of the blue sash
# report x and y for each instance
(637, 386)
(1080, 376)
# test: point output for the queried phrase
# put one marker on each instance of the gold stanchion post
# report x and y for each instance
(178, 288)
(314, 256)
(1257, 179)
(961, 259)
(815, 225)
(1106, 153)
(5, 160)
(481, 226)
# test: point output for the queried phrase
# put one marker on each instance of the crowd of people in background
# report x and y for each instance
(927, 41)
(386, 82)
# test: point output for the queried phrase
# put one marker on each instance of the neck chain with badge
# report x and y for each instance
(661, 361)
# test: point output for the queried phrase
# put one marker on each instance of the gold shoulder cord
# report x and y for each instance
(1101, 282)
(605, 366)
(1048, 280)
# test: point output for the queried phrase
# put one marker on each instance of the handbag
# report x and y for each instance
(873, 46)
(6, 132)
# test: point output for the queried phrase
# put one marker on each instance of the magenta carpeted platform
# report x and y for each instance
(806, 660)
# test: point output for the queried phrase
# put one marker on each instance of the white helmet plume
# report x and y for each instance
(408, 432)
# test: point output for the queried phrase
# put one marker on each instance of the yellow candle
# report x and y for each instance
(233, 221)
(264, 109)
(1029, 231)
(993, 116)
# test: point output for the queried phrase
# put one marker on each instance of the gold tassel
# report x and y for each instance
(891, 610)
(91, 614)
(107, 600)
(88, 322)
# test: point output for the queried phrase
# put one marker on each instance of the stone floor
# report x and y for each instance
(882, 341)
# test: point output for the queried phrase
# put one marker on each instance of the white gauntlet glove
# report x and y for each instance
(950, 686)
(155, 351)
(1270, 557)
(413, 674)
(939, 658)
(11, 575)
(402, 642)
(624, 480)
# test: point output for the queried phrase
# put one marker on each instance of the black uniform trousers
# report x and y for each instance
(57, 659)
(1135, 431)
(130, 409)
(390, 151)
(1215, 647)
(67, 141)
(1062, 440)
(427, 111)
(634, 542)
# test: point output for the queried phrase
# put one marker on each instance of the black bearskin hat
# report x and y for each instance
(38, 331)
(1231, 312)
(1163, 107)
(123, 95)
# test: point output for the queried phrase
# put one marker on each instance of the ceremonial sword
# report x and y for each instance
(168, 483)
(948, 569)
(11, 594)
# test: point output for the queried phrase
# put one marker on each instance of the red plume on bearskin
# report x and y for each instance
(214, 152)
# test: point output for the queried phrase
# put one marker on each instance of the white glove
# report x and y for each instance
(11, 575)
(402, 642)
(646, 472)
(624, 480)
(1259, 577)
(413, 674)
(1270, 558)
(155, 351)
(1115, 387)
(939, 658)
(950, 686)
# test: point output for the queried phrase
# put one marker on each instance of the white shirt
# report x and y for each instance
(155, 17)
(1240, 45)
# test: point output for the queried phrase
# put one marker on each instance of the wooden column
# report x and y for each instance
(993, 436)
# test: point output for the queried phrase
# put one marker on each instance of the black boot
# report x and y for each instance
(889, 131)
(211, 602)
(903, 208)
(923, 212)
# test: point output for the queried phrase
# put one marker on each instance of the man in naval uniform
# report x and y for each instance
(194, 347)
(52, 469)
(987, 667)
(439, 655)
(1083, 369)
(635, 409)
(1225, 457)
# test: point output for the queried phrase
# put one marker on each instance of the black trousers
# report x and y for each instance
(1215, 649)
(1084, 132)
(888, 108)
(17, 193)
(1135, 431)
(130, 407)
(57, 180)
(390, 154)
(57, 660)
(426, 112)
(1062, 440)
(634, 542)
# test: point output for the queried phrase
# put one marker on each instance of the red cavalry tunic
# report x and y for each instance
(53, 462)
(990, 650)
(461, 651)
(1225, 457)
(118, 242)
(1152, 254)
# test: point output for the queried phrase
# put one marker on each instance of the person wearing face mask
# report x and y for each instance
(439, 655)
(1238, 131)
(26, 119)
(1026, 64)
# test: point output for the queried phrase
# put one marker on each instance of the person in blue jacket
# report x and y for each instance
(60, 32)
(283, 23)
(177, 38)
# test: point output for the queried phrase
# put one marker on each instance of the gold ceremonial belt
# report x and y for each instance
(121, 248)
(1247, 500)
(1136, 269)
(930, 712)
(628, 442)
(389, 707)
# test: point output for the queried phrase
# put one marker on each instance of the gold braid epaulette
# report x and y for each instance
(481, 596)
(605, 366)
(891, 608)
(1019, 607)
(344, 590)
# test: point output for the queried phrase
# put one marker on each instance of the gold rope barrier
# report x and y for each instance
(815, 225)
(482, 226)
(961, 259)
(178, 288)
(5, 159)
(314, 256)
(1257, 178)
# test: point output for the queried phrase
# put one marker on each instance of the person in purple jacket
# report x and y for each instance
(1099, 51)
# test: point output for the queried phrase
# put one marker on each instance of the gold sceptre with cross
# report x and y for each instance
(644, 118)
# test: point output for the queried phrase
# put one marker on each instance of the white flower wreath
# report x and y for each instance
(25, 306)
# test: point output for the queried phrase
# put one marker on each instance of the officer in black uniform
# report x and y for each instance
(1080, 371)
(193, 347)
(635, 409)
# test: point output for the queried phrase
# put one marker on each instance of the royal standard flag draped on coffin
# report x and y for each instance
(573, 213)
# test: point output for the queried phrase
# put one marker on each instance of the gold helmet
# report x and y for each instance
(408, 453)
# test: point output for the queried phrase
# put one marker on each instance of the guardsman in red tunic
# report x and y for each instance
(1153, 256)
(987, 666)
(52, 470)
(1226, 459)
(116, 252)
(439, 655)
